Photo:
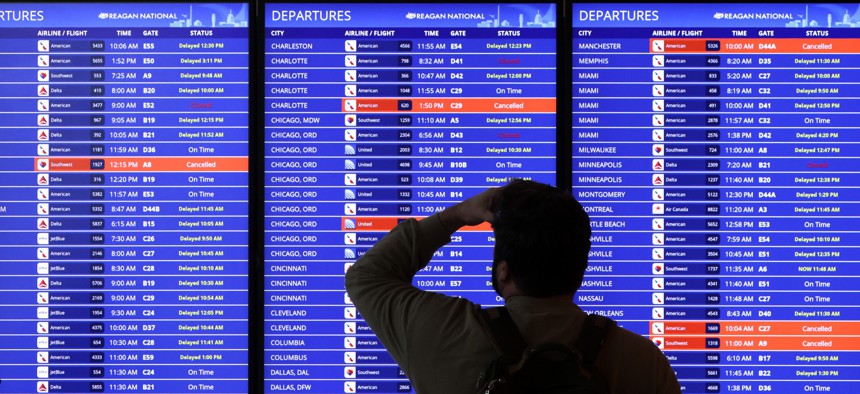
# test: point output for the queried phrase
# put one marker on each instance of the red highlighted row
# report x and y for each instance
(501, 105)
(132, 164)
(800, 343)
(385, 224)
(825, 328)
(755, 45)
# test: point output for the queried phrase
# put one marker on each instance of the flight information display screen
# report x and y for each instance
(715, 148)
(124, 207)
(376, 113)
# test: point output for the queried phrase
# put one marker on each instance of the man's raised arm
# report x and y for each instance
(380, 282)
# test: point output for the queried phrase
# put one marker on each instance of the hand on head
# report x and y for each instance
(470, 212)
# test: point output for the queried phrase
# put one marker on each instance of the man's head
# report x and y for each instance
(542, 236)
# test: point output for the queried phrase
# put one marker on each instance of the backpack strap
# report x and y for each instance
(505, 333)
(591, 339)
(509, 340)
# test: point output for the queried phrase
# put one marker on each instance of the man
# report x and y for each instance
(541, 252)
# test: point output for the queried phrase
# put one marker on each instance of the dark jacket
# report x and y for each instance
(439, 341)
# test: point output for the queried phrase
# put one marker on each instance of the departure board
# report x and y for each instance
(376, 113)
(124, 205)
(715, 148)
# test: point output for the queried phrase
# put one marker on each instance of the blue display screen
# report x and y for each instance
(376, 113)
(715, 148)
(124, 207)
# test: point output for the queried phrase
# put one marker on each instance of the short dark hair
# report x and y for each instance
(544, 235)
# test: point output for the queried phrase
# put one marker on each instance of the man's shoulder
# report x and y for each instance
(627, 353)
(633, 363)
(626, 339)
